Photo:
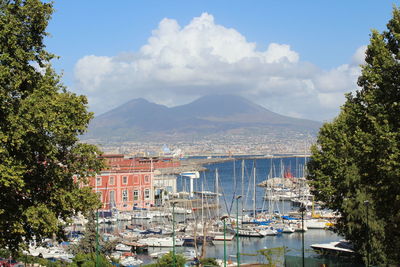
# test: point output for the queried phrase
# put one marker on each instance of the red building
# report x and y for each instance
(128, 182)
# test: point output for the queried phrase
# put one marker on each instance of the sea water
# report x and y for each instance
(236, 177)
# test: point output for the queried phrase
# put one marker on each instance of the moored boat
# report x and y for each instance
(122, 247)
(161, 241)
(338, 247)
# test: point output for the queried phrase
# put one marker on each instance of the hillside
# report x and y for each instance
(142, 120)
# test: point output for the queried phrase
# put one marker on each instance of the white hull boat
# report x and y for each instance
(161, 242)
(130, 261)
(268, 231)
(138, 216)
(250, 233)
(316, 224)
(288, 229)
(298, 227)
(219, 239)
(123, 247)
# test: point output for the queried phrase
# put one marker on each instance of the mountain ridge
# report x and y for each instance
(139, 119)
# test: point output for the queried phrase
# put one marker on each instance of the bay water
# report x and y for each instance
(236, 177)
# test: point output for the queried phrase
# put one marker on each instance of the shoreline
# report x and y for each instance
(198, 164)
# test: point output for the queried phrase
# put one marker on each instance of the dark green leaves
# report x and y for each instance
(39, 127)
(357, 156)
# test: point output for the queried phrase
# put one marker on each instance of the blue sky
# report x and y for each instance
(101, 45)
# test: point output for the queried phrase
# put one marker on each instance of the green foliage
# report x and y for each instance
(87, 244)
(39, 127)
(167, 260)
(208, 262)
(357, 156)
(28, 259)
(274, 256)
(89, 260)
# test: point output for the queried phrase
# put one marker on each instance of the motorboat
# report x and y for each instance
(219, 238)
(123, 216)
(287, 229)
(161, 241)
(123, 247)
(267, 231)
(316, 223)
(130, 261)
(250, 233)
(140, 216)
(337, 247)
(51, 253)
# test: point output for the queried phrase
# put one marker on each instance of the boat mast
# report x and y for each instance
(202, 203)
(234, 178)
(242, 186)
(254, 190)
(217, 190)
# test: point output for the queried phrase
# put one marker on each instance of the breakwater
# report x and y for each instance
(199, 163)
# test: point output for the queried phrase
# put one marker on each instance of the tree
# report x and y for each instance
(89, 260)
(357, 155)
(40, 122)
(87, 244)
(167, 260)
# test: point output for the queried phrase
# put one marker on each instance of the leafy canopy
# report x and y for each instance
(168, 260)
(357, 155)
(40, 122)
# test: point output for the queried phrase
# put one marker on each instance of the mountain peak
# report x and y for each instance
(220, 105)
(211, 114)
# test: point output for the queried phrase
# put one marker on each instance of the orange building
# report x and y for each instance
(127, 183)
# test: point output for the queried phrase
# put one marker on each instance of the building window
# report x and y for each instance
(112, 198)
(146, 178)
(136, 195)
(124, 179)
(147, 193)
(111, 181)
(136, 179)
(124, 195)
(98, 181)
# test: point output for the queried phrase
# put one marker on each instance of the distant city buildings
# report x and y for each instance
(285, 143)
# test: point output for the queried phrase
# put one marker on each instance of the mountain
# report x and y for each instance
(142, 120)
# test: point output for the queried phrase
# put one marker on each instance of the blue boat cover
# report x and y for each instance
(288, 218)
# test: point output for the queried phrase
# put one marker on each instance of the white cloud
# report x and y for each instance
(359, 56)
(179, 64)
(92, 70)
(340, 79)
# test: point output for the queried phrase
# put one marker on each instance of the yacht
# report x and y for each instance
(160, 241)
(123, 247)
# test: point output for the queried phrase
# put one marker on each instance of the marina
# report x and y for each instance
(201, 133)
(256, 200)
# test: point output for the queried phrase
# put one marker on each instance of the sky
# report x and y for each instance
(296, 58)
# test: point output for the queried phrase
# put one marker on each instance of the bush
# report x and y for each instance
(89, 260)
(209, 262)
(167, 260)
